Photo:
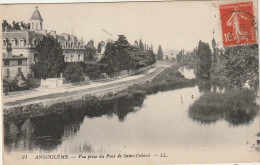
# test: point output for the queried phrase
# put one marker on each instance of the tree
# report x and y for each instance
(49, 61)
(152, 48)
(109, 57)
(73, 72)
(204, 62)
(136, 43)
(25, 26)
(179, 56)
(120, 55)
(20, 82)
(160, 53)
(99, 48)
(141, 45)
(5, 25)
(15, 25)
(214, 54)
(242, 64)
(90, 51)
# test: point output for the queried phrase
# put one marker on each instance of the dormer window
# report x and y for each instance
(4, 42)
(14, 42)
(22, 42)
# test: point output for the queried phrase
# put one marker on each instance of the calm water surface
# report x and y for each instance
(157, 123)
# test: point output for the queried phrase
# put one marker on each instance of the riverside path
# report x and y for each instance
(40, 95)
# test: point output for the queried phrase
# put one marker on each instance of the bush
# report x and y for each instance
(236, 107)
(73, 72)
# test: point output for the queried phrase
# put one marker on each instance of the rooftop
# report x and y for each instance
(36, 15)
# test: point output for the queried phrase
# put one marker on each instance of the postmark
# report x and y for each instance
(238, 24)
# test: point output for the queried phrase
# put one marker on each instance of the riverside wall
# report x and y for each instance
(81, 95)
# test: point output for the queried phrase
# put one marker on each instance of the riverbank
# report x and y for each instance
(235, 106)
(169, 78)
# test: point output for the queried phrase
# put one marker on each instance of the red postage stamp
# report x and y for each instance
(238, 23)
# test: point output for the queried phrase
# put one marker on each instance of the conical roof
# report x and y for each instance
(36, 15)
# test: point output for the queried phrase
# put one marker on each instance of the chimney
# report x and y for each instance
(53, 33)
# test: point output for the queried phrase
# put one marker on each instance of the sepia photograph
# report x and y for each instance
(144, 83)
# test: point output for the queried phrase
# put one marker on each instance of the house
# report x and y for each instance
(13, 64)
(23, 44)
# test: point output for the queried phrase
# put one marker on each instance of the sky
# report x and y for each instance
(174, 25)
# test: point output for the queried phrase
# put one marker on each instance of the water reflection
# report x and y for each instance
(160, 121)
(187, 72)
(46, 132)
(237, 108)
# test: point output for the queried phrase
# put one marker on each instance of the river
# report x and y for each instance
(157, 123)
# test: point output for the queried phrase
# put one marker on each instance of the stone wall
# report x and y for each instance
(52, 82)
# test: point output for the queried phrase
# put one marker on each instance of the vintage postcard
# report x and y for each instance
(130, 83)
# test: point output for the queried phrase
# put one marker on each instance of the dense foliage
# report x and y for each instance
(204, 60)
(15, 25)
(120, 55)
(237, 107)
(100, 46)
(160, 53)
(75, 71)
(242, 65)
(49, 60)
(90, 51)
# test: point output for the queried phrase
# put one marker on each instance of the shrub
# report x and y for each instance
(73, 72)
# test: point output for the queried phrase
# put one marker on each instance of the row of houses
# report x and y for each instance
(19, 47)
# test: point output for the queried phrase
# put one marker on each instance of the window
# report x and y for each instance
(67, 59)
(14, 42)
(21, 43)
(4, 42)
(19, 70)
(32, 25)
(20, 62)
(6, 62)
(79, 57)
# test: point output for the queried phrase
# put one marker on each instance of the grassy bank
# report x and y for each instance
(236, 107)
(168, 79)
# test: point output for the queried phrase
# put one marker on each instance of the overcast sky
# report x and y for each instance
(174, 25)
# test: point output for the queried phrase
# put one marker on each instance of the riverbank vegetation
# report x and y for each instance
(170, 78)
(236, 106)
(231, 68)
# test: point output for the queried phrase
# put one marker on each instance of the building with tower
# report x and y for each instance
(21, 45)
